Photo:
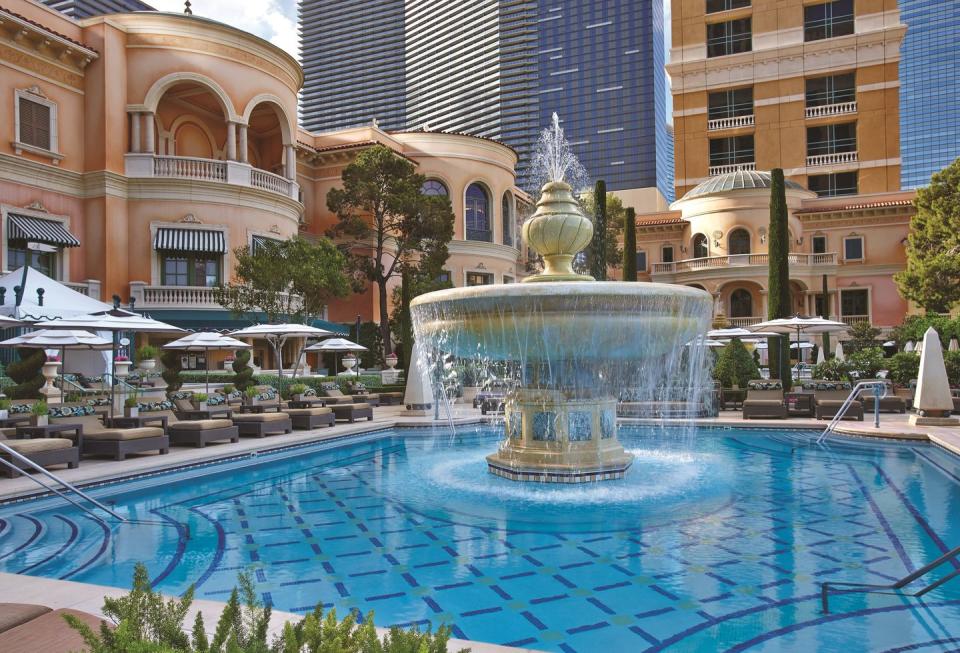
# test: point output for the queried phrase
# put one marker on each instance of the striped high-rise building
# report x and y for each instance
(88, 8)
(499, 69)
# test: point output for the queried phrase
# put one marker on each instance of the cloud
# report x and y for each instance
(272, 20)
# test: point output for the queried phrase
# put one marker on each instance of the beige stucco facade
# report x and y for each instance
(172, 123)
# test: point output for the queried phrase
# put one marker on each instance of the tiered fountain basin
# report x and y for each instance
(575, 342)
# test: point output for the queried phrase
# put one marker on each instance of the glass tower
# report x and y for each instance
(929, 89)
(88, 8)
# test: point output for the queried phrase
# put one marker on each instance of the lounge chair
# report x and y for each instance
(34, 628)
(262, 424)
(352, 412)
(98, 440)
(764, 399)
(199, 432)
(829, 396)
(332, 390)
(889, 403)
(45, 452)
(311, 418)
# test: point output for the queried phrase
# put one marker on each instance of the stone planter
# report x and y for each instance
(148, 364)
(122, 368)
(349, 362)
(39, 420)
(201, 405)
(131, 412)
(4, 414)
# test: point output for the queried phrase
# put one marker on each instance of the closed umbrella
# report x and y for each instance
(205, 341)
(277, 335)
(59, 339)
(820, 356)
(336, 345)
(954, 345)
(908, 347)
(839, 352)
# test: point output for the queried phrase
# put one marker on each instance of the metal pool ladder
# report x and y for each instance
(879, 391)
(69, 486)
(825, 588)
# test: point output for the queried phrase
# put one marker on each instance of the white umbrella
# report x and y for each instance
(205, 341)
(908, 347)
(115, 320)
(799, 324)
(277, 335)
(793, 345)
(732, 332)
(954, 345)
(820, 356)
(838, 352)
(9, 322)
(59, 339)
(336, 345)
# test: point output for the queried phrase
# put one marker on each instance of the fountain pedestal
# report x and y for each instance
(554, 436)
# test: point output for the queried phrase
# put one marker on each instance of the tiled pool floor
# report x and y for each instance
(715, 542)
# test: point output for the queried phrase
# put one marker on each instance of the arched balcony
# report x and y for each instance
(188, 128)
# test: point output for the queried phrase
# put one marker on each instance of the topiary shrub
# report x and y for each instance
(903, 367)
(866, 363)
(26, 373)
(735, 366)
(171, 369)
(243, 373)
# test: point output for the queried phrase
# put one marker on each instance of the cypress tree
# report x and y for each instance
(629, 245)
(406, 326)
(778, 290)
(598, 248)
(826, 316)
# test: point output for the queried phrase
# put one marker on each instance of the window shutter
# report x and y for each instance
(34, 123)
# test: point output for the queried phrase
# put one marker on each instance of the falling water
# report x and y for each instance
(554, 160)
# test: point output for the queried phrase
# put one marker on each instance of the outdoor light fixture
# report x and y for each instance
(717, 235)
(763, 235)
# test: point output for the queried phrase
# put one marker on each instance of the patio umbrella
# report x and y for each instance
(336, 345)
(954, 345)
(820, 357)
(10, 322)
(205, 341)
(114, 320)
(793, 345)
(838, 352)
(799, 324)
(732, 332)
(908, 347)
(59, 339)
(277, 335)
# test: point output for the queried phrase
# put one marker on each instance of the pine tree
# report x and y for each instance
(598, 248)
(778, 291)
(630, 245)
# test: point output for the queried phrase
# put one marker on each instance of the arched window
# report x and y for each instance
(478, 214)
(700, 246)
(507, 216)
(738, 242)
(741, 303)
(434, 187)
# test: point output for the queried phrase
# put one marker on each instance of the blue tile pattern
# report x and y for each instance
(545, 425)
(715, 541)
(579, 425)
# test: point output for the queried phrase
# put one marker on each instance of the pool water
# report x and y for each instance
(714, 541)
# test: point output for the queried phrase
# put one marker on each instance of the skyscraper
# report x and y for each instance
(929, 89)
(499, 69)
(87, 8)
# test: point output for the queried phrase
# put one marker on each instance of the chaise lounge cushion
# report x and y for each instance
(202, 424)
(355, 406)
(293, 412)
(37, 445)
(14, 614)
(125, 434)
(259, 417)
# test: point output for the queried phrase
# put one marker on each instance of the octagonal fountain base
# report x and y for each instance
(554, 436)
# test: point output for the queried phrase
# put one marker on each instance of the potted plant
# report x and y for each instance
(349, 362)
(249, 395)
(391, 360)
(147, 355)
(228, 389)
(4, 408)
(297, 390)
(201, 400)
(39, 414)
(131, 406)
(122, 365)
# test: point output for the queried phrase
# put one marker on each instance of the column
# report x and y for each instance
(290, 169)
(243, 143)
(135, 132)
(148, 128)
(231, 141)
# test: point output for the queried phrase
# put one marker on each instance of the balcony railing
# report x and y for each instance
(730, 123)
(732, 167)
(740, 260)
(235, 173)
(199, 297)
(831, 159)
(743, 322)
(90, 287)
(855, 319)
(838, 109)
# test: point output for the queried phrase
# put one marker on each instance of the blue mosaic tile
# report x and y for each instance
(579, 425)
(545, 426)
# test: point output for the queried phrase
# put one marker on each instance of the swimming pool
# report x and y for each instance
(716, 541)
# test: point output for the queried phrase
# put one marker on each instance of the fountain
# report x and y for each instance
(568, 347)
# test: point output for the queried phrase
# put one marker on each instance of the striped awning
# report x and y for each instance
(38, 230)
(190, 240)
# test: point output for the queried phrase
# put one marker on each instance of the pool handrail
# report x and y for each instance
(854, 393)
(23, 459)
(893, 588)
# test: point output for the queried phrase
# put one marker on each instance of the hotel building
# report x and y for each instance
(143, 148)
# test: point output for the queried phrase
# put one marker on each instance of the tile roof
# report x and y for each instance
(47, 29)
(854, 207)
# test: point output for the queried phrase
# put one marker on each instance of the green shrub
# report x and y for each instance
(200, 397)
(242, 372)
(146, 623)
(26, 373)
(903, 367)
(132, 401)
(832, 370)
(866, 363)
(147, 352)
(5, 404)
(40, 409)
(952, 360)
(171, 369)
(229, 389)
(735, 366)
(915, 326)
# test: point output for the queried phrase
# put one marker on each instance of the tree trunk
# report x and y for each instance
(630, 245)
(384, 318)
